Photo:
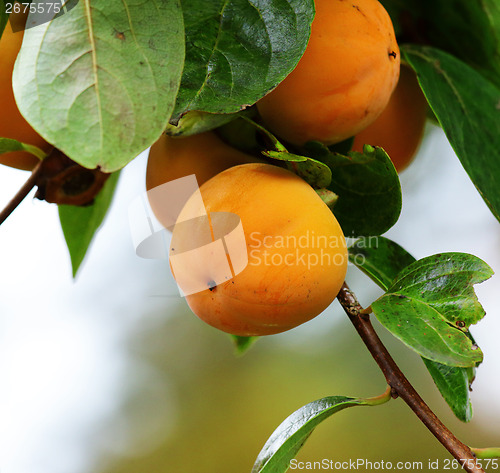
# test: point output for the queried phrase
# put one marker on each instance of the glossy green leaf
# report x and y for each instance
(368, 189)
(291, 435)
(80, 224)
(430, 305)
(453, 384)
(238, 50)
(379, 258)
(445, 283)
(100, 81)
(314, 172)
(382, 260)
(468, 108)
(470, 30)
(425, 331)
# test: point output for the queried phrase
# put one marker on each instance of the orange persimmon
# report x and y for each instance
(400, 127)
(344, 79)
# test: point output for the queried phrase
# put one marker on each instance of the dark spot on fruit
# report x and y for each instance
(393, 54)
(211, 285)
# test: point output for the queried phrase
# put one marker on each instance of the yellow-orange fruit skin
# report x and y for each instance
(273, 204)
(344, 79)
(12, 123)
(400, 127)
(204, 155)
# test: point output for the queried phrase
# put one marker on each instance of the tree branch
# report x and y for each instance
(21, 193)
(400, 385)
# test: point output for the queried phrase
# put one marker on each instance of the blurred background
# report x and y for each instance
(112, 373)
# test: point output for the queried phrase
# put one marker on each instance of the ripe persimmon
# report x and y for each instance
(344, 79)
(400, 127)
(12, 123)
(297, 256)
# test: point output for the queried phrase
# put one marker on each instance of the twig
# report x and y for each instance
(21, 194)
(400, 385)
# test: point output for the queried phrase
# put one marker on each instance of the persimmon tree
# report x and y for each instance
(100, 81)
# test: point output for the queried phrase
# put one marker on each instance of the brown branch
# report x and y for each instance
(21, 193)
(400, 385)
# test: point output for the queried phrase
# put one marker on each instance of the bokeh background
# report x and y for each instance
(112, 373)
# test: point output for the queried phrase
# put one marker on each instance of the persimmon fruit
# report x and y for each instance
(12, 123)
(400, 127)
(297, 256)
(344, 79)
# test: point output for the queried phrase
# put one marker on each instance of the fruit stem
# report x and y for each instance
(21, 193)
(401, 387)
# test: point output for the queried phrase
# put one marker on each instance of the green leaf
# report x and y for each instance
(290, 436)
(194, 122)
(382, 260)
(80, 224)
(100, 81)
(314, 172)
(468, 108)
(421, 328)
(470, 30)
(445, 282)
(238, 50)
(242, 344)
(368, 188)
(8, 144)
(379, 258)
(431, 304)
(453, 384)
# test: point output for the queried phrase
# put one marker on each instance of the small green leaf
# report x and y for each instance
(8, 145)
(368, 188)
(382, 260)
(314, 172)
(80, 224)
(243, 344)
(379, 258)
(431, 304)
(100, 82)
(468, 108)
(445, 282)
(424, 330)
(453, 384)
(239, 50)
(194, 122)
(290, 436)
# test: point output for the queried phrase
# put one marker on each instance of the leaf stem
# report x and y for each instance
(400, 385)
(21, 193)
(485, 453)
(381, 399)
